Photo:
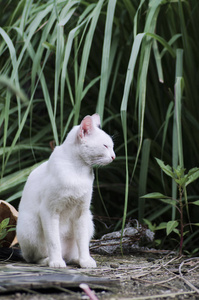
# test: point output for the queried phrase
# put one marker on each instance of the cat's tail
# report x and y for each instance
(11, 254)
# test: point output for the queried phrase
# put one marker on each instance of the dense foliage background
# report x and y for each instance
(134, 62)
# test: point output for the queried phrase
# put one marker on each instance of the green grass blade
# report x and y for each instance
(10, 47)
(85, 56)
(178, 98)
(136, 20)
(105, 64)
(58, 63)
(174, 163)
(128, 81)
(42, 80)
(124, 127)
(130, 70)
(143, 178)
(25, 12)
(39, 52)
(16, 178)
(177, 149)
(67, 12)
(17, 135)
(158, 62)
(163, 42)
(64, 76)
(10, 85)
(145, 57)
(62, 56)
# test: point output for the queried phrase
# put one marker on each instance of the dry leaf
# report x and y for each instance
(8, 211)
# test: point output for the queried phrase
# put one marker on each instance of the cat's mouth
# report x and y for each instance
(101, 161)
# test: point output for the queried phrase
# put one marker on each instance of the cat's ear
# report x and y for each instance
(96, 119)
(86, 127)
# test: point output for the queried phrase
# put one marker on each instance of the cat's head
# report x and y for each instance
(96, 146)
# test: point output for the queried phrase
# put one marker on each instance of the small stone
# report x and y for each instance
(114, 265)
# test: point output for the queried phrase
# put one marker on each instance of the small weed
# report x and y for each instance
(182, 180)
(4, 229)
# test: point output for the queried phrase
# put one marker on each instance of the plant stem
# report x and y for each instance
(181, 221)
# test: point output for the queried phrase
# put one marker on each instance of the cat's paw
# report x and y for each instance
(57, 264)
(87, 263)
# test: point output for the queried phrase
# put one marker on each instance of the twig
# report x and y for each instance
(7, 259)
(184, 279)
(154, 283)
(165, 295)
(185, 261)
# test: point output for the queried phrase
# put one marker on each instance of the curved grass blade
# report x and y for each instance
(10, 85)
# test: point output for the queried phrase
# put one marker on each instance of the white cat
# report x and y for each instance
(55, 223)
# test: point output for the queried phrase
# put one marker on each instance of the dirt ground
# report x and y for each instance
(147, 275)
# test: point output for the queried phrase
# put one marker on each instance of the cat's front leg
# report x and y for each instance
(84, 233)
(50, 224)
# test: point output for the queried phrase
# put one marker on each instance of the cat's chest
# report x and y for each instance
(68, 178)
(73, 185)
(75, 179)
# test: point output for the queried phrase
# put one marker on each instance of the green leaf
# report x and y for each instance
(192, 171)
(11, 229)
(5, 223)
(185, 232)
(177, 231)
(3, 234)
(155, 196)
(179, 171)
(195, 202)
(194, 176)
(165, 168)
(162, 225)
(151, 226)
(169, 201)
(171, 225)
(181, 181)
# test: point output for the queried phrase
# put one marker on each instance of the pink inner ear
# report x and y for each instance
(86, 126)
(96, 119)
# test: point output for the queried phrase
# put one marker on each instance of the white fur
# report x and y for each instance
(55, 223)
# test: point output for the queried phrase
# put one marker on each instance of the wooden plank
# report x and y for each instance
(14, 278)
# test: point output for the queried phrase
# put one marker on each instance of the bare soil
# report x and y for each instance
(149, 275)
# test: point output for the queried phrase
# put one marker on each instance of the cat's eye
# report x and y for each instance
(106, 146)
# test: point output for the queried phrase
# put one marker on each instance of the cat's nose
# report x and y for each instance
(113, 157)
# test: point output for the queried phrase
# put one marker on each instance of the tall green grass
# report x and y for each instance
(134, 62)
